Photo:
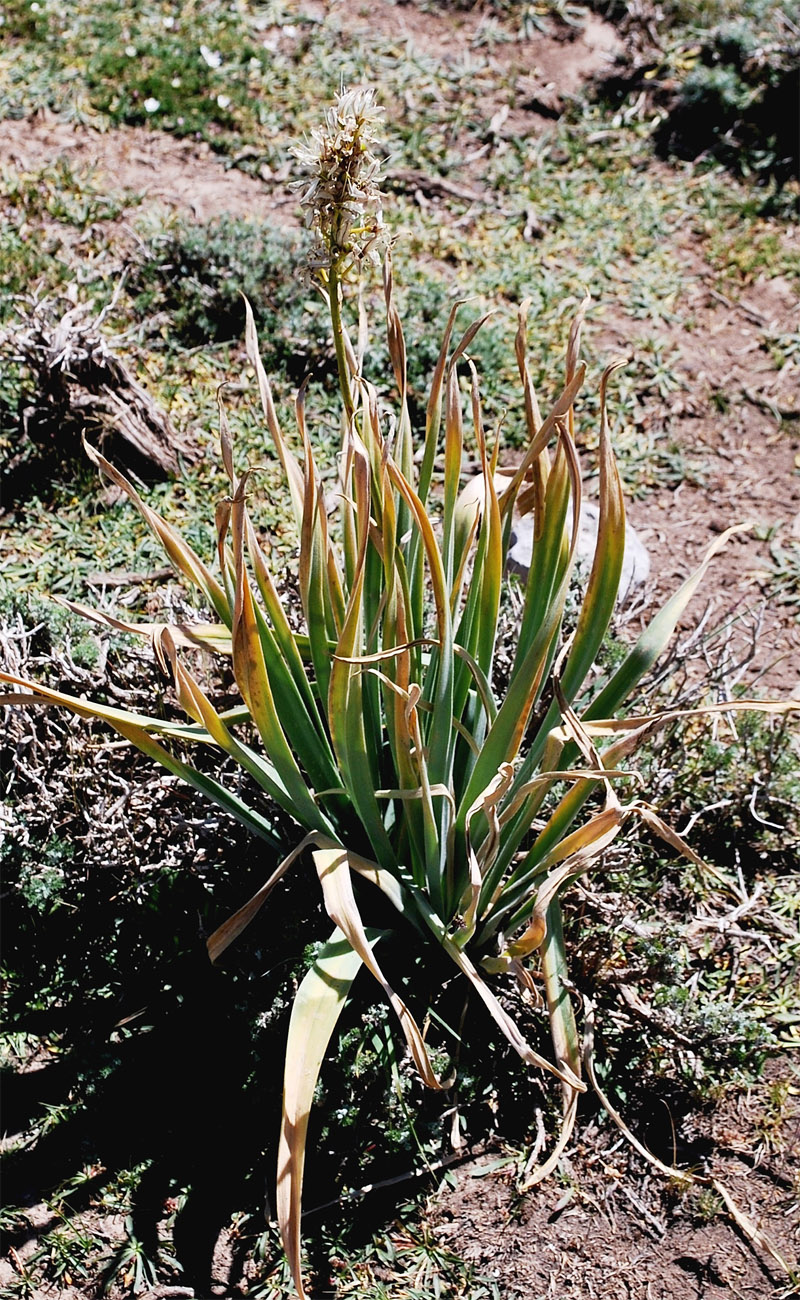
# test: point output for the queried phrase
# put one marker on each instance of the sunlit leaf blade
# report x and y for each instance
(433, 414)
(403, 449)
(577, 851)
(504, 739)
(555, 970)
(438, 686)
(283, 652)
(549, 558)
(346, 712)
(598, 601)
(253, 680)
(293, 472)
(137, 728)
(319, 580)
(333, 868)
(197, 705)
(603, 585)
(543, 435)
(85, 708)
(453, 450)
(656, 636)
(318, 1003)
(215, 637)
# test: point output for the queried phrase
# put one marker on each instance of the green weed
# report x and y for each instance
(783, 577)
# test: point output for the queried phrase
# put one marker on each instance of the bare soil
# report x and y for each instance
(546, 69)
(745, 458)
(611, 1231)
(153, 167)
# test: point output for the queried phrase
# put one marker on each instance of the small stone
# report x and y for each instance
(635, 562)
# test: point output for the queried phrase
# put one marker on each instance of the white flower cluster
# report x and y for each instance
(342, 199)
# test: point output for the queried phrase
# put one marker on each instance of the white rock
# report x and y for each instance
(635, 563)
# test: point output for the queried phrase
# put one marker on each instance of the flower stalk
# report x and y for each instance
(343, 206)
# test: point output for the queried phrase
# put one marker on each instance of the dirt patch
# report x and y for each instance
(735, 417)
(614, 1231)
(185, 175)
(564, 54)
(523, 80)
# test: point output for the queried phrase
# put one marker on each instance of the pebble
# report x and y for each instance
(635, 562)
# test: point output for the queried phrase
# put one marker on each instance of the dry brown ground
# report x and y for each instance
(749, 456)
(185, 176)
(607, 1231)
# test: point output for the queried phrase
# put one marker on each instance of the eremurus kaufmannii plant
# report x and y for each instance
(378, 727)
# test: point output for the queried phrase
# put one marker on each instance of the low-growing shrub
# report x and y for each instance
(722, 79)
(198, 274)
(738, 103)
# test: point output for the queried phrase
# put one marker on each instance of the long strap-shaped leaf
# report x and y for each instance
(319, 578)
(655, 636)
(285, 638)
(316, 1009)
(186, 561)
(603, 586)
(333, 868)
(253, 680)
(346, 710)
(441, 733)
(433, 419)
(503, 742)
(292, 470)
(214, 637)
(194, 701)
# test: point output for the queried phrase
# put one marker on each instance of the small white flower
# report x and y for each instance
(224, 101)
(168, 20)
(131, 51)
(152, 105)
(212, 57)
(36, 9)
(175, 83)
